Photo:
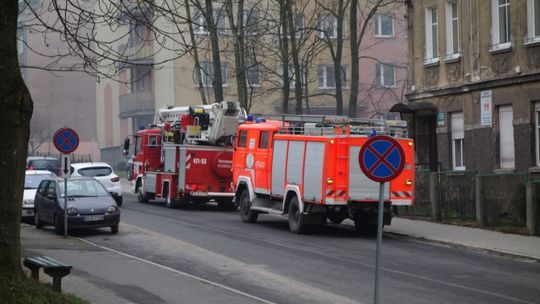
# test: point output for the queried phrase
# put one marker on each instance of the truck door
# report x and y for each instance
(262, 158)
(239, 155)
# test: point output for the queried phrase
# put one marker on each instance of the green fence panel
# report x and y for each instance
(505, 199)
(457, 195)
(422, 205)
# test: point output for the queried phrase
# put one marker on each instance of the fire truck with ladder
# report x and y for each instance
(186, 155)
(306, 167)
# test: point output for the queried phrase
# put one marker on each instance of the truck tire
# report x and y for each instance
(225, 203)
(362, 226)
(170, 202)
(247, 215)
(141, 197)
(296, 218)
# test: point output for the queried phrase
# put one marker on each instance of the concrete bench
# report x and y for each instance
(57, 270)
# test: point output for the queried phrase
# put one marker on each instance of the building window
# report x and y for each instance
(432, 39)
(457, 141)
(253, 75)
(452, 30)
(141, 78)
(327, 26)
(200, 26)
(207, 73)
(533, 21)
(137, 32)
(537, 131)
(292, 76)
(506, 137)
(385, 75)
(298, 27)
(251, 22)
(327, 79)
(384, 26)
(500, 24)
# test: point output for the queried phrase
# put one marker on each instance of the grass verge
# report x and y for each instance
(28, 291)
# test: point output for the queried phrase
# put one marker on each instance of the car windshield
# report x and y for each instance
(31, 181)
(83, 188)
(45, 163)
(95, 171)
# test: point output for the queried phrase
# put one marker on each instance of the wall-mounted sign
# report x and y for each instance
(440, 119)
(486, 108)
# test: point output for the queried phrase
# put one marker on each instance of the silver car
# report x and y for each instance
(104, 173)
(32, 179)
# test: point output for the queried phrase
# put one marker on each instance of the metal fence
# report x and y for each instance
(456, 195)
(422, 203)
(504, 199)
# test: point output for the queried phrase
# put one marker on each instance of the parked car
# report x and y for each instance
(32, 179)
(51, 164)
(89, 205)
(103, 173)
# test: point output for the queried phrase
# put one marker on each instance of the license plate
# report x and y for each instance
(92, 218)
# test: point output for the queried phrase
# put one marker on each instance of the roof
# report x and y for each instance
(90, 164)
(268, 125)
(413, 107)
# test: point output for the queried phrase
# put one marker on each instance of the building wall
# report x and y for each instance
(512, 75)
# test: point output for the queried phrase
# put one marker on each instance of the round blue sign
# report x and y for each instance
(66, 140)
(381, 158)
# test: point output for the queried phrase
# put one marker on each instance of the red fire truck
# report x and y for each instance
(307, 167)
(186, 155)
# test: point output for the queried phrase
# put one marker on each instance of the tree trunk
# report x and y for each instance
(237, 29)
(298, 81)
(355, 73)
(337, 59)
(284, 43)
(195, 54)
(217, 82)
(16, 113)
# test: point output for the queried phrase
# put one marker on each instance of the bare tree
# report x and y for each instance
(367, 10)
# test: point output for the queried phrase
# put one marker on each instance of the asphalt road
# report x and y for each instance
(264, 262)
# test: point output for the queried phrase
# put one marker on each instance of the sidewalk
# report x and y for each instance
(504, 243)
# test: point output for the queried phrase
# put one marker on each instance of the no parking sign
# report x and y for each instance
(381, 159)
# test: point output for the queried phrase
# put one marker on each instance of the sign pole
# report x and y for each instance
(381, 159)
(379, 241)
(65, 208)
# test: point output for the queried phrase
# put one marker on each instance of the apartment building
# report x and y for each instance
(161, 68)
(474, 87)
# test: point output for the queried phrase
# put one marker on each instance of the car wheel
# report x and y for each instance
(141, 196)
(247, 215)
(58, 225)
(37, 222)
(114, 229)
(296, 218)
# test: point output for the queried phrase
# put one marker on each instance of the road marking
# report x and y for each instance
(233, 290)
(367, 265)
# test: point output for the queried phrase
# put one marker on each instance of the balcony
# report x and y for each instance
(135, 104)
(141, 53)
(135, 8)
